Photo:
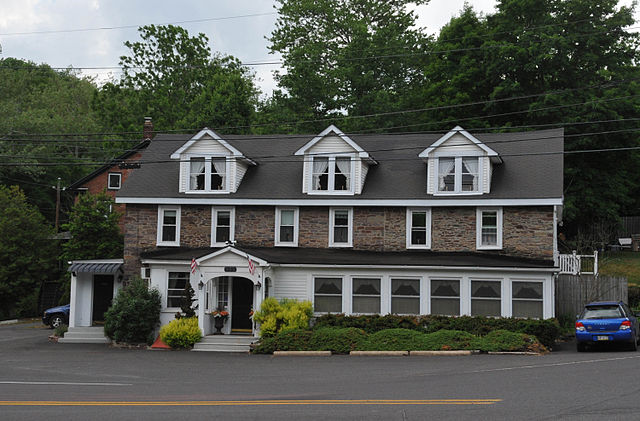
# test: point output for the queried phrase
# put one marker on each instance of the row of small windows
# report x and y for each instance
(486, 297)
(489, 227)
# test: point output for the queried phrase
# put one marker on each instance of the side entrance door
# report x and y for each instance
(241, 303)
(102, 296)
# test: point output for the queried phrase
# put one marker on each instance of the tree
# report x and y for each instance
(174, 78)
(356, 56)
(27, 253)
(93, 225)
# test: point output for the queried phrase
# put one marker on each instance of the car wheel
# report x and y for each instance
(56, 320)
(581, 346)
(633, 346)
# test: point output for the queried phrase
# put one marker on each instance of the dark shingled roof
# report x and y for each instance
(532, 167)
(312, 256)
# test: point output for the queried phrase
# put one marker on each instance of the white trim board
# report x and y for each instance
(339, 202)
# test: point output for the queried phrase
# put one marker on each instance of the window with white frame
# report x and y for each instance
(207, 174)
(489, 228)
(327, 295)
(486, 298)
(286, 227)
(445, 297)
(458, 175)
(331, 174)
(526, 299)
(176, 285)
(340, 227)
(222, 225)
(405, 296)
(168, 226)
(366, 295)
(115, 181)
(418, 228)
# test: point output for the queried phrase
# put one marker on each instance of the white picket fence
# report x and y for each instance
(578, 264)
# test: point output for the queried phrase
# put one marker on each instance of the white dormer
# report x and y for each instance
(459, 164)
(209, 164)
(334, 164)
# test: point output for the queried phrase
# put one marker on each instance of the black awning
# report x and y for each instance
(88, 267)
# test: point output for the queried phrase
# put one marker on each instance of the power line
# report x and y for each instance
(107, 28)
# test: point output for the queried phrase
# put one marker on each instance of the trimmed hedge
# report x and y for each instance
(547, 331)
(344, 340)
(181, 333)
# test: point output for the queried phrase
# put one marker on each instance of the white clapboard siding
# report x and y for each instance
(241, 169)
(207, 146)
(291, 283)
(364, 169)
(184, 176)
(486, 174)
(331, 144)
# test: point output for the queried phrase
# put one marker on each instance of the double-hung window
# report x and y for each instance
(458, 175)
(222, 225)
(366, 295)
(332, 174)
(327, 295)
(340, 227)
(168, 226)
(526, 299)
(418, 228)
(176, 284)
(445, 297)
(486, 298)
(489, 228)
(286, 227)
(405, 296)
(207, 174)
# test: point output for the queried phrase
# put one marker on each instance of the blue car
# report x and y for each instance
(56, 316)
(605, 322)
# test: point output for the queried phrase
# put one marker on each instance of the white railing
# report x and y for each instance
(576, 264)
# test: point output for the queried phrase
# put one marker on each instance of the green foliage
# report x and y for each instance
(135, 313)
(60, 330)
(282, 316)
(27, 254)
(393, 340)
(336, 340)
(174, 78)
(181, 333)
(289, 340)
(186, 301)
(94, 229)
(503, 340)
(547, 331)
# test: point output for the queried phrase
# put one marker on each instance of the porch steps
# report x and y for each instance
(85, 335)
(225, 343)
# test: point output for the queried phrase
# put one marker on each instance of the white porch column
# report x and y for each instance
(72, 300)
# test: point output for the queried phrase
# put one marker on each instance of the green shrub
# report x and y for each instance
(393, 340)
(60, 330)
(504, 340)
(547, 331)
(337, 340)
(445, 340)
(634, 296)
(288, 314)
(289, 340)
(134, 315)
(181, 333)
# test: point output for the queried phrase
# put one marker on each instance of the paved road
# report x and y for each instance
(158, 385)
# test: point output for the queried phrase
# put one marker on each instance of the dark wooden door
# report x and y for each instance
(102, 296)
(241, 304)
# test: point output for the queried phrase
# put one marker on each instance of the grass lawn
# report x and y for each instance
(621, 263)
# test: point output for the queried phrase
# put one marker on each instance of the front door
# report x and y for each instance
(102, 296)
(241, 304)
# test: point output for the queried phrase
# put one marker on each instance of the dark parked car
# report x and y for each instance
(605, 322)
(56, 316)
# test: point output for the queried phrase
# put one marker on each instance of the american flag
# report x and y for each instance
(252, 267)
(194, 266)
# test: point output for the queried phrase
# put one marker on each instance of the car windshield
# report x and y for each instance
(602, 312)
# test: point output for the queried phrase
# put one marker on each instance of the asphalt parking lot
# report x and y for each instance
(43, 380)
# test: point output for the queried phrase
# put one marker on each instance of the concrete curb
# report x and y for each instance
(439, 353)
(513, 353)
(8, 322)
(379, 353)
(301, 353)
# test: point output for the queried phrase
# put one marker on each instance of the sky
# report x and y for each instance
(242, 32)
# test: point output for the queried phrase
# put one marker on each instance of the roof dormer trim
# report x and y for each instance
(459, 130)
(333, 129)
(208, 132)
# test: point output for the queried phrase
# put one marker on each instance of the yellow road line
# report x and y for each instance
(261, 402)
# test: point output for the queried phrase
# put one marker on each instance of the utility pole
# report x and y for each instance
(58, 204)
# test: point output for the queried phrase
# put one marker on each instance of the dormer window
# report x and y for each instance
(331, 173)
(207, 174)
(459, 174)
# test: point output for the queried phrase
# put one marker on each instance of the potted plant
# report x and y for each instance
(219, 316)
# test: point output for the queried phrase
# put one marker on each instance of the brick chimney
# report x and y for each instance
(147, 129)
